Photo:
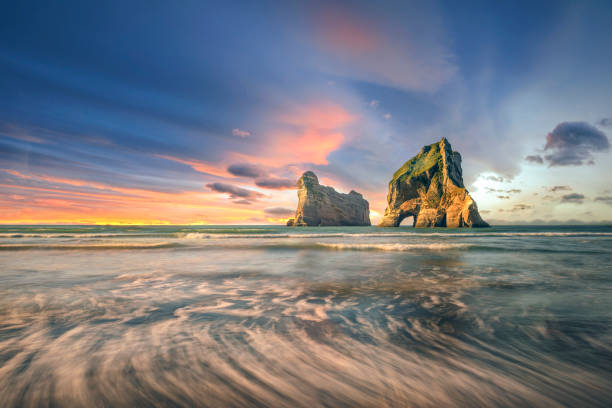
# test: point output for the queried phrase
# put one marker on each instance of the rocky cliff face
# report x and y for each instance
(430, 188)
(323, 206)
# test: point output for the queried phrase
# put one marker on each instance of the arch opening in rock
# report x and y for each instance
(407, 221)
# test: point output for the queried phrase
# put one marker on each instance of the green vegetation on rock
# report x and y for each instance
(428, 157)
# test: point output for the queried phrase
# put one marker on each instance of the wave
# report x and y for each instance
(516, 234)
(272, 246)
(283, 246)
(200, 235)
(394, 247)
(272, 234)
(92, 246)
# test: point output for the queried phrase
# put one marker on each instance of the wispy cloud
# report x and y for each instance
(240, 132)
(498, 179)
(554, 189)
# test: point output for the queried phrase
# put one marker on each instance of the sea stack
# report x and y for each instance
(320, 205)
(429, 187)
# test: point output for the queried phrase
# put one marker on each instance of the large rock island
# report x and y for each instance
(429, 187)
(323, 206)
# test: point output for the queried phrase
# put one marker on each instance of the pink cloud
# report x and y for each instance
(307, 134)
(410, 55)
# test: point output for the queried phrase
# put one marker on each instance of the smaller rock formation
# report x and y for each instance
(430, 188)
(323, 206)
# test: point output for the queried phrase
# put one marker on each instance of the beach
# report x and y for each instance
(289, 317)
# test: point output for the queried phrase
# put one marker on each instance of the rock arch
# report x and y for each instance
(430, 188)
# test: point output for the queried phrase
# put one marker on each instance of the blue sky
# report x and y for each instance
(207, 112)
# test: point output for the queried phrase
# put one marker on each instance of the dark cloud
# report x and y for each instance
(246, 170)
(501, 190)
(520, 207)
(573, 144)
(280, 211)
(517, 207)
(604, 199)
(276, 183)
(240, 195)
(605, 122)
(243, 201)
(554, 189)
(574, 198)
(501, 197)
(536, 159)
(261, 176)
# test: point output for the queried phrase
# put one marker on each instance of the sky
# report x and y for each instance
(197, 112)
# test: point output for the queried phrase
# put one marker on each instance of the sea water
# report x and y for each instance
(305, 317)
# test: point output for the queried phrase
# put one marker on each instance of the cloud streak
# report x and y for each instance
(238, 194)
(279, 211)
(246, 170)
(554, 189)
(604, 199)
(276, 183)
(574, 198)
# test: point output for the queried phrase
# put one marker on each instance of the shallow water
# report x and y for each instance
(275, 316)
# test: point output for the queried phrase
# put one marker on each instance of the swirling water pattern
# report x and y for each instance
(274, 316)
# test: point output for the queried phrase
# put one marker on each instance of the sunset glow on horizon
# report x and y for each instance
(208, 124)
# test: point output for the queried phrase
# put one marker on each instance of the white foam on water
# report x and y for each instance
(393, 247)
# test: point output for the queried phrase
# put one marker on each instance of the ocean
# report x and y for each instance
(267, 316)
